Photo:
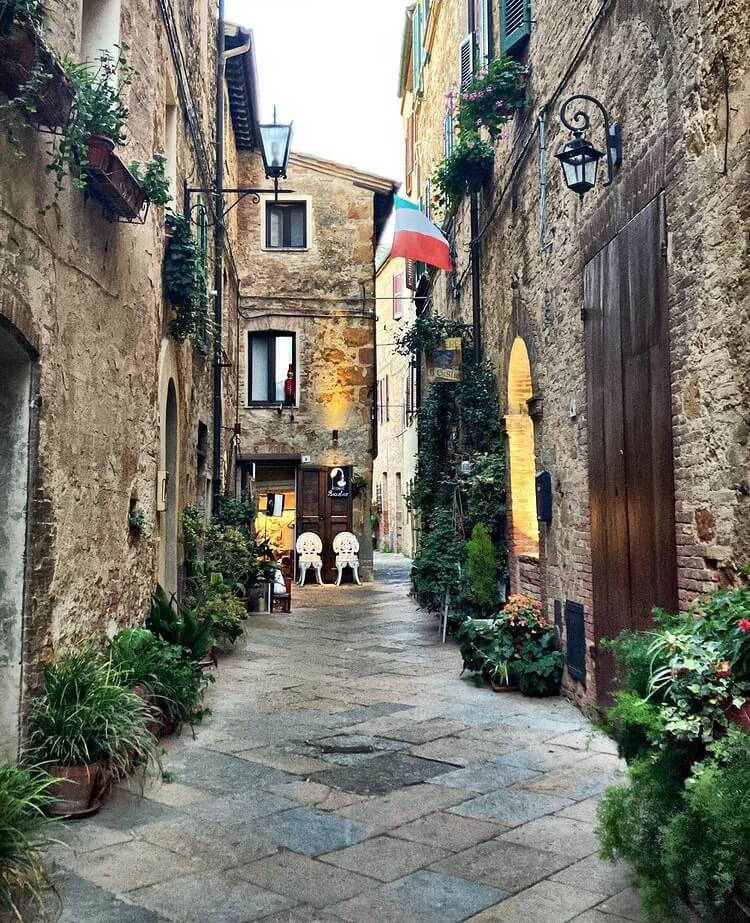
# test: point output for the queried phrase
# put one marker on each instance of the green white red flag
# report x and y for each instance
(416, 238)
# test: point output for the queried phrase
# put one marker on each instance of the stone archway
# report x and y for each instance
(15, 417)
(520, 430)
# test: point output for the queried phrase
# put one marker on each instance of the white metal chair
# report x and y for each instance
(346, 548)
(309, 547)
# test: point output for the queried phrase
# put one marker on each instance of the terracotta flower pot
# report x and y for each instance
(76, 792)
(100, 151)
(739, 716)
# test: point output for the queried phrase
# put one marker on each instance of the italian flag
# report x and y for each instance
(417, 238)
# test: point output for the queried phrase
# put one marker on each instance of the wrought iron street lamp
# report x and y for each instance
(579, 158)
(275, 144)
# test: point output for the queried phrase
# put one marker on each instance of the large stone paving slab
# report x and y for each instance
(305, 879)
(449, 831)
(503, 865)
(211, 897)
(385, 858)
(381, 774)
(511, 806)
(312, 832)
(442, 898)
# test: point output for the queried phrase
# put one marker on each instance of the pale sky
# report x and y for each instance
(332, 67)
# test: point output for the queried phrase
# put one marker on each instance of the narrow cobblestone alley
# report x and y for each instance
(347, 772)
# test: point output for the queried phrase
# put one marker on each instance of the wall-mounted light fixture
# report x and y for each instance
(275, 144)
(335, 437)
(579, 158)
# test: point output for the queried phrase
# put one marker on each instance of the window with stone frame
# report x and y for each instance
(286, 226)
(271, 355)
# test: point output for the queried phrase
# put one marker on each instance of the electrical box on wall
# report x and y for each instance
(161, 492)
(544, 496)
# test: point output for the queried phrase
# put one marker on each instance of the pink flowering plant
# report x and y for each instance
(493, 96)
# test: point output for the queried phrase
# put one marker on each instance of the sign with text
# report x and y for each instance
(445, 363)
(340, 482)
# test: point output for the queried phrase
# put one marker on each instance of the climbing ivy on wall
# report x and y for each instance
(457, 422)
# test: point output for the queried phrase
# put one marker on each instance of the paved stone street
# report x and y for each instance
(348, 773)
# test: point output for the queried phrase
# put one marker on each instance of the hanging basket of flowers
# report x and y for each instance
(466, 169)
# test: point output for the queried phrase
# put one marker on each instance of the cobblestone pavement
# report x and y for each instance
(347, 772)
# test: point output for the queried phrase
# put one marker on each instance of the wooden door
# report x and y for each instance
(631, 476)
(324, 515)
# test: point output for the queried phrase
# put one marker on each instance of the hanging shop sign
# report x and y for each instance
(445, 362)
(340, 482)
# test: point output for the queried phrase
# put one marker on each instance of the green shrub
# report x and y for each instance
(176, 686)
(23, 797)
(705, 844)
(434, 569)
(179, 624)
(216, 601)
(538, 664)
(481, 569)
(85, 715)
(635, 723)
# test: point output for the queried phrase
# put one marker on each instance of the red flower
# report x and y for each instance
(744, 624)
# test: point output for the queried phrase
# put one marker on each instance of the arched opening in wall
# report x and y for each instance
(520, 429)
(15, 400)
(170, 513)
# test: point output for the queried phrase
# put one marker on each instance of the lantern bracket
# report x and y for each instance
(580, 122)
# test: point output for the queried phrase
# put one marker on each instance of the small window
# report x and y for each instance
(286, 225)
(100, 28)
(272, 358)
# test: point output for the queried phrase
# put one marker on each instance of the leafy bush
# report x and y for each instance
(153, 179)
(236, 513)
(218, 602)
(538, 664)
(481, 569)
(23, 797)
(434, 569)
(176, 686)
(683, 822)
(85, 715)
(186, 284)
(179, 624)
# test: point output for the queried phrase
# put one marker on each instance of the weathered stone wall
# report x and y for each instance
(669, 72)
(323, 294)
(397, 434)
(87, 295)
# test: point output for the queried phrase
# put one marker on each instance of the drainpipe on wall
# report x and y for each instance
(476, 291)
(222, 56)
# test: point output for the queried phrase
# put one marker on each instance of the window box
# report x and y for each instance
(110, 181)
(21, 51)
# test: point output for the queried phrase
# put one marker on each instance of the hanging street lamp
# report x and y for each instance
(275, 144)
(579, 158)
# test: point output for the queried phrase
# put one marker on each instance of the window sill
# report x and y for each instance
(270, 405)
(285, 249)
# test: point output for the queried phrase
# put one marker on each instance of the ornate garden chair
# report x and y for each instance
(346, 548)
(309, 547)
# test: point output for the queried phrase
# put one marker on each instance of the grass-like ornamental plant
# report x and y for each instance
(85, 716)
(175, 685)
(23, 798)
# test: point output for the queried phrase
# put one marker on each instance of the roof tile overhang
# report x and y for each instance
(242, 87)
(371, 181)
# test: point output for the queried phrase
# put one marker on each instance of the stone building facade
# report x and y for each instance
(307, 316)
(615, 323)
(393, 470)
(107, 413)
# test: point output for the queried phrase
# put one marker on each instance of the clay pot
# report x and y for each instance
(99, 153)
(76, 791)
(739, 716)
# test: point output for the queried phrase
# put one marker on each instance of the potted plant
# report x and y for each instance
(161, 674)
(23, 799)
(30, 74)
(88, 728)
(152, 179)
(497, 91)
(466, 169)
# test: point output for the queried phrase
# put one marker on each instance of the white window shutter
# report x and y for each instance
(466, 61)
(485, 40)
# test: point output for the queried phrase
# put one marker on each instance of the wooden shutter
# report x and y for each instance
(448, 132)
(411, 275)
(416, 49)
(409, 153)
(485, 32)
(466, 61)
(387, 400)
(515, 23)
(398, 294)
